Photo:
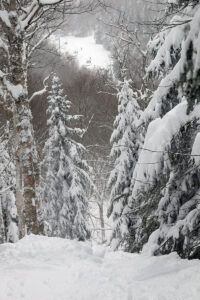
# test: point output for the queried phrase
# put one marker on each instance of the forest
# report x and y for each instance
(100, 149)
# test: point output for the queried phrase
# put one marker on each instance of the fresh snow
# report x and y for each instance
(45, 268)
(85, 49)
(153, 153)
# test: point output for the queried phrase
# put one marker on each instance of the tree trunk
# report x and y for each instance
(2, 225)
(25, 152)
(102, 223)
(26, 162)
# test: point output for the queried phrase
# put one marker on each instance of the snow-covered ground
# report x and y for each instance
(85, 49)
(41, 268)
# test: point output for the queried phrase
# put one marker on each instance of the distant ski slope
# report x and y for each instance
(85, 49)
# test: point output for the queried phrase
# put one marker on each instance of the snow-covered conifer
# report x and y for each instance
(65, 171)
(125, 142)
(166, 180)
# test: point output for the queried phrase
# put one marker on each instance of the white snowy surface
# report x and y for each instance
(85, 49)
(45, 268)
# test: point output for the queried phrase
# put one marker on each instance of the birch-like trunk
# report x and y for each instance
(25, 152)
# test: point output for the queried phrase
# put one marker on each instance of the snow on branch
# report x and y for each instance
(15, 90)
(161, 130)
(52, 2)
(2, 74)
(30, 15)
(171, 42)
(4, 18)
(33, 10)
(3, 46)
(46, 36)
(43, 91)
(6, 189)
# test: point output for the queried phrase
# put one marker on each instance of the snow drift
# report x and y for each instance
(57, 269)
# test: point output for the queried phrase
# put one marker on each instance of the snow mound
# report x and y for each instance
(85, 49)
(56, 269)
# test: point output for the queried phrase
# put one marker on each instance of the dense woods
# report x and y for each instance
(78, 143)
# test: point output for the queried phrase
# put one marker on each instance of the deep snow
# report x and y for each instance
(42, 268)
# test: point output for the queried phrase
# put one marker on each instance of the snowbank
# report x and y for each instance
(56, 269)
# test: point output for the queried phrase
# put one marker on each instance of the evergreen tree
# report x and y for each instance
(166, 181)
(65, 172)
(125, 146)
